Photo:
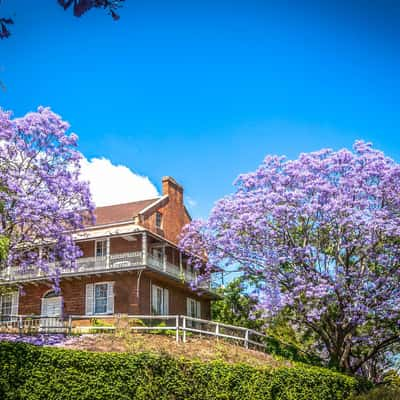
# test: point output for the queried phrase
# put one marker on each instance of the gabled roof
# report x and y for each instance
(121, 212)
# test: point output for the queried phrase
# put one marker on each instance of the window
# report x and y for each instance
(159, 300)
(193, 308)
(99, 298)
(52, 304)
(100, 248)
(158, 220)
(6, 304)
(50, 294)
(157, 255)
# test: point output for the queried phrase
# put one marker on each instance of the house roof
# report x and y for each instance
(121, 212)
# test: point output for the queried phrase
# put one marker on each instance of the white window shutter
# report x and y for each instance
(153, 299)
(188, 307)
(14, 303)
(166, 302)
(110, 298)
(42, 308)
(198, 309)
(89, 300)
(58, 306)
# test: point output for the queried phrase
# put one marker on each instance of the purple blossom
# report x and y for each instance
(38, 340)
(320, 237)
(43, 199)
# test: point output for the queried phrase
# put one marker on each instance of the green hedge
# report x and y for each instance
(31, 373)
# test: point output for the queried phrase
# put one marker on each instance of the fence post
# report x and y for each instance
(20, 325)
(177, 329)
(217, 331)
(184, 328)
(70, 325)
(246, 339)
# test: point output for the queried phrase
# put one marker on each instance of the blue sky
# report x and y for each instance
(203, 90)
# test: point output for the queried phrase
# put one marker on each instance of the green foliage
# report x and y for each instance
(391, 377)
(380, 393)
(4, 244)
(167, 332)
(290, 352)
(290, 343)
(34, 373)
(136, 322)
(99, 326)
(236, 306)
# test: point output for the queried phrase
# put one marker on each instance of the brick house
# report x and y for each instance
(131, 264)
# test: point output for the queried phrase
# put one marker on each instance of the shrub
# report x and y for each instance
(33, 373)
(99, 325)
(290, 352)
(380, 393)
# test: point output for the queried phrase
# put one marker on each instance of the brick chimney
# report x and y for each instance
(173, 189)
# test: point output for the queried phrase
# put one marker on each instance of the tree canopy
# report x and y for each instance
(236, 306)
(42, 199)
(320, 236)
(79, 8)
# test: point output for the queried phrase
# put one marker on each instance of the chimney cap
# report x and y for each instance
(172, 181)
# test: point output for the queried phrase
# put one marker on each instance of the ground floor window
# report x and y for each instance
(159, 300)
(52, 304)
(8, 305)
(99, 298)
(193, 308)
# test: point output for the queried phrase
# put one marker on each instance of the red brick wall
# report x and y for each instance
(74, 291)
(173, 213)
(120, 245)
(177, 297)
(125, 301)
(87, 248)
(117, 245)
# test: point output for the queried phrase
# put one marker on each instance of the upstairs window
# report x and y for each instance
(158, 220)
(100, 248)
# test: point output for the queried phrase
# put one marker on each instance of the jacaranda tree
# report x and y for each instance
(321, 237)
(79, 8)
(42, 199)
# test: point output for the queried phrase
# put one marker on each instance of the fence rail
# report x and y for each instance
(180, 326)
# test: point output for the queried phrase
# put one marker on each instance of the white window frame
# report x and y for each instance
(163, 292)
(97, 298)
(192, 304)
(51, 295)
(90, 299)
(103, 247)
(9, 298)
(14, 303)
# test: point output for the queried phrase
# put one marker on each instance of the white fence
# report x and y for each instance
(180, 326)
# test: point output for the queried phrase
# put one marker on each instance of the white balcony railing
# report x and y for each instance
(115, 262)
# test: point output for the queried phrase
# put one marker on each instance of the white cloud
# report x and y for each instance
(114, 184)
